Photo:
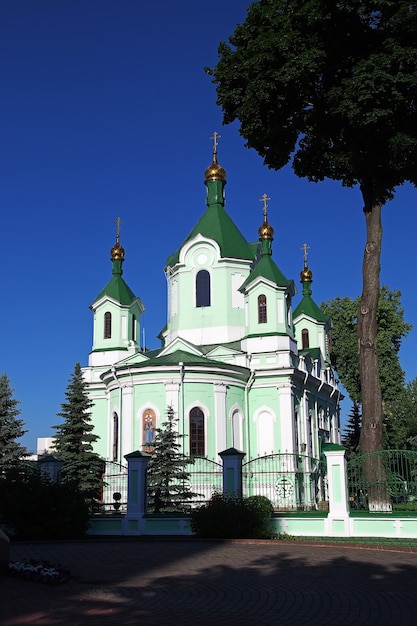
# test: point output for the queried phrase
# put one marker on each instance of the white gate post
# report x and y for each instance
(136, 492)
(338, 518)
(232, 472)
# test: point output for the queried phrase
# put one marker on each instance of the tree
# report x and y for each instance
(168, 479)
(400, 418)
(82, 468)
(332, 87)
(11, 428)
(352, 430)
(391, 330)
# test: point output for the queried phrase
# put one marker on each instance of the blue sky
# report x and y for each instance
(105, 111)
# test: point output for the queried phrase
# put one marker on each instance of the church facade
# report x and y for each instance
(241, 365)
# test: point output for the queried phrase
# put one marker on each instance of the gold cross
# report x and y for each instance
(305, 247)
(265, 206)
(118, 222)
(215, 137)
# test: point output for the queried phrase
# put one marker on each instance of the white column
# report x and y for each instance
(126, 419)
(338, 518)
(220, 413)
(286, 416)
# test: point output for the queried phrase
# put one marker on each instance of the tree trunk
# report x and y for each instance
(371, 431)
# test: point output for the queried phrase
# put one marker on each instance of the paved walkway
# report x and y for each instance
(194, 583)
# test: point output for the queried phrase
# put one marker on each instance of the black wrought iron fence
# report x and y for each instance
(114, 496)
(289, 481)
(387, 476)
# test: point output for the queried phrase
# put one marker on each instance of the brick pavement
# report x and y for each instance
(162, 582)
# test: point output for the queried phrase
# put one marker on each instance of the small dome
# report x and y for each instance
(117, 252)
(215, 171)
(306, 275)
(266, 231)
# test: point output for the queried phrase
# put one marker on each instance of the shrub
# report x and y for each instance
(233, 518)
(32, 507)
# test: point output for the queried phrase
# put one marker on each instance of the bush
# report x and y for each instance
(233, 518)
(32, 507)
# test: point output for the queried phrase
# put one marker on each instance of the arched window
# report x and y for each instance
(148, 428)
(202, 288)
(115, 436)
(133, 327)
(305, 339)
(262, 319)
(107, 325)
(197, 438)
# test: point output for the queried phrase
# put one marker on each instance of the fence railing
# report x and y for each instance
(385, 475)
(114, 496)
(290, 481)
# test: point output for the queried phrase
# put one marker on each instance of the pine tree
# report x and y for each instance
(11, 428)
(352, 431)
(168, 480)
(82, 468)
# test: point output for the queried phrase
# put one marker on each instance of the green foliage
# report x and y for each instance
(82, 468)
(391, 330)
(168, 479)
(11, 428)
(32, 507)
(352, 431)
(400, 418)
(232, 518)
(330, 85)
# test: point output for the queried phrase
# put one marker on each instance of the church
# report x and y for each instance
(241, 363)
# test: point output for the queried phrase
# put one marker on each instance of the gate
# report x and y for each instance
(394, 479)
(289, 481)
(206, 478)
(114, 498)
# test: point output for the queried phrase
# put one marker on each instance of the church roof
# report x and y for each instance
(308, 307)
(117, 290)
(266, 268)
(216, 224)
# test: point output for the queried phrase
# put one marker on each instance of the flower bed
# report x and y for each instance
(41, 571)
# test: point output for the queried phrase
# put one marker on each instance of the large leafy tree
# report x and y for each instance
(401, 419)
(168, 479)
(11, 428)
(391, 330)
(332, 87)
(82, 468)
(352, 431)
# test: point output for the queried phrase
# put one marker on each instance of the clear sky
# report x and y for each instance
(105, 111)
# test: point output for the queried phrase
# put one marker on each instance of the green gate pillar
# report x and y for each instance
(338, 518)
(232, 472)
(136, 492)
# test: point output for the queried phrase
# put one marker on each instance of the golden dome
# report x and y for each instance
(306, 275)
(266, 231)
(117, 252)
(215, 171)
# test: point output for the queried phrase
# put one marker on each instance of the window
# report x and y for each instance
(133, 327)
(197, 439)
(148, 428)
(202, 288)
(262, 309)
(115, 436)
(305, 342)
(107, 325)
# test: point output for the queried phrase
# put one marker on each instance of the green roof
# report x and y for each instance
(118, 290)
(308, 307)
(266, 268)
(216, 224)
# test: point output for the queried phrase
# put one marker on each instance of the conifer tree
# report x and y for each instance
(82, 468)
(352, 431)
(168, 480)
(11, 428)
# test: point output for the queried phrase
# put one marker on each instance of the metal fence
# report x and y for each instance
(206, 478)
(289, 481)
(388, 476)
(114, 497)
